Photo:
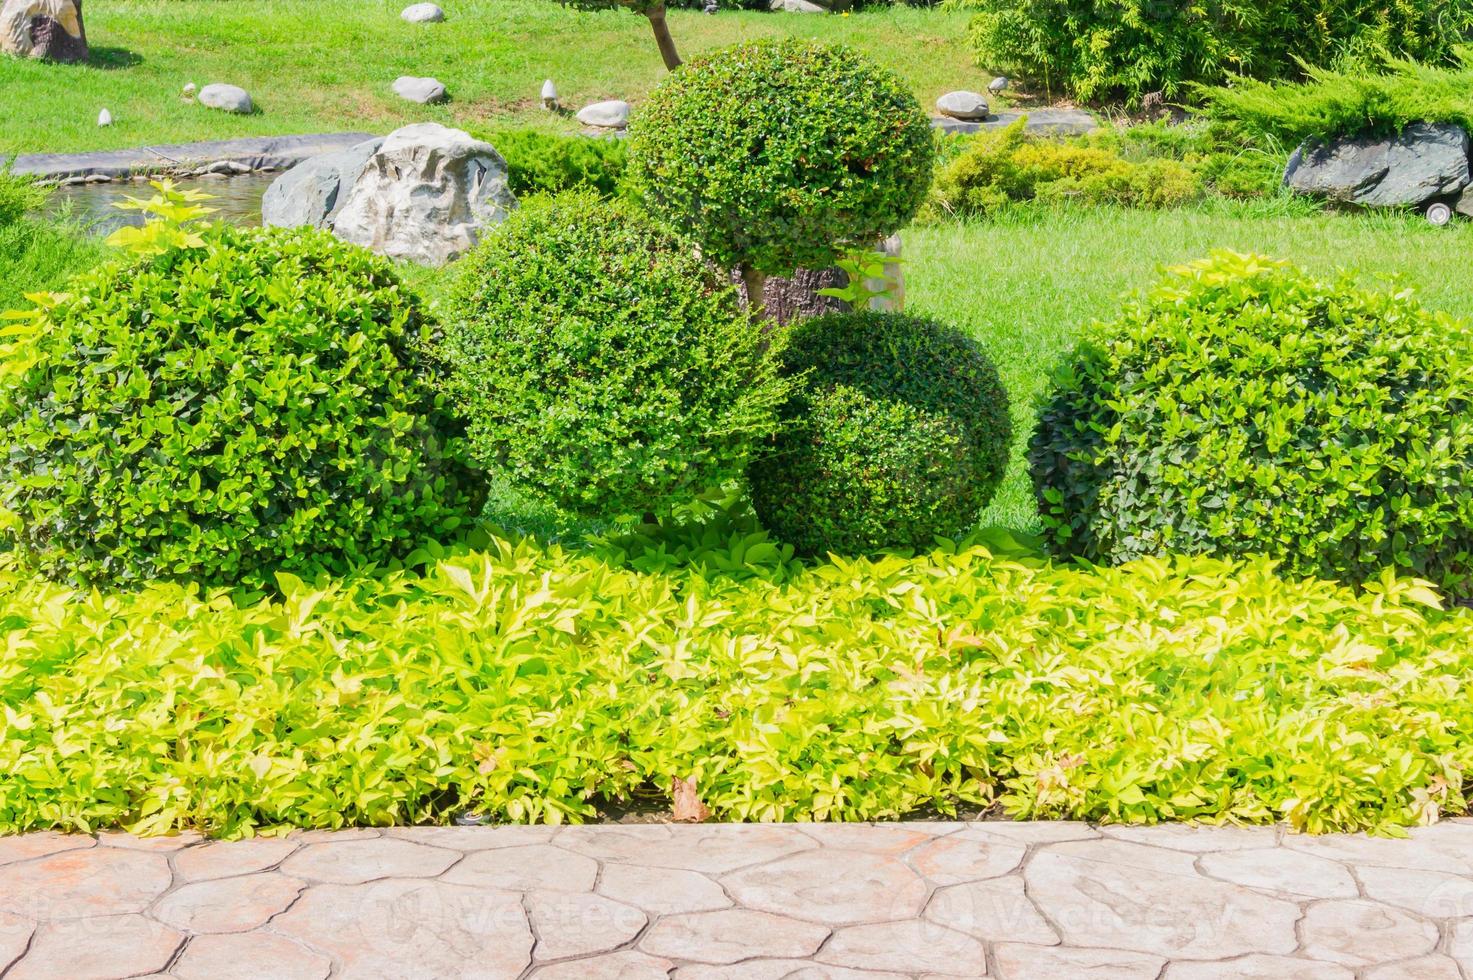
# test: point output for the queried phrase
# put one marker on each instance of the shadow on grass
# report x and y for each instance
(111, 58)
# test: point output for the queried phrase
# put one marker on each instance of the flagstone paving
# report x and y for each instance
(1016, 901)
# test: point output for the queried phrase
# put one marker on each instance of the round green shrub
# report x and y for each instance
(260, 402)
(898, 433)
(771, 153)
(1244, 408)
(601, 364)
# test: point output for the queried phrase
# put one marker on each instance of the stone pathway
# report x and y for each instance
(1022, 901)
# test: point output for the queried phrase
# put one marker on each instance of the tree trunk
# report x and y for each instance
(756, 284)
(656, 14)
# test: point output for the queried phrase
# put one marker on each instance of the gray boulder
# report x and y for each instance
(226, 98)
(423, 13)
(312, 192)
(1465, 202)
(798, 7)
(421, 90)
(1423, 162)
(50, 29)
(1041, 122)
(426, 195)
(963, 105)
(605, 115)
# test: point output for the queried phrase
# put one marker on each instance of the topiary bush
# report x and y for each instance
(261, 401)
(898, 433)
(1244, 408)
(774, 154)
(601, 364)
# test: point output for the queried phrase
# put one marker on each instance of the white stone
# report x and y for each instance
(426, 195)
(421, 90)
(104, 118)
(423, 13)
(605, 115)
(226, 98)
(963, 105)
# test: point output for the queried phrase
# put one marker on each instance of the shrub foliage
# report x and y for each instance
(898, 433)
(601, 364)
(1128, 48)
(263, 400)
(1347, 103)
(1244, 408)
(530, 683)
(774, 153)
(548, 163)
(1006, 166)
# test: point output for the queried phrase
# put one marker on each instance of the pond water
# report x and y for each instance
(237, 200)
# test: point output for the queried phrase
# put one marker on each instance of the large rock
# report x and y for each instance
(421, 90)
(1425, 161)
(226, 98)
(43, 29)
(612, 114)
(312, 192)
(963, 105)
(423, 13)
(426, 195)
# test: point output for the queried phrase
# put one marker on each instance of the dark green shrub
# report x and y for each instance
(898, 433)
(1244, 408)
(1108, 49)
(774, 153)
(601, 364)
(545, 163)
(260, 402)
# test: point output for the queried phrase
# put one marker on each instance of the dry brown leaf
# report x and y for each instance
(687, 807)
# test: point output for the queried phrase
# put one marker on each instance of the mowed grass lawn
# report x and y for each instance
(315, 66)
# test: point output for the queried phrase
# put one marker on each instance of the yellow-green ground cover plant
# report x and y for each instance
(526, 681)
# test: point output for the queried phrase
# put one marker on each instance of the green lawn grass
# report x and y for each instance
(1024, 287)
(314, 66)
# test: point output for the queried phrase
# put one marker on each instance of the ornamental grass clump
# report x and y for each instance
(226, 403)
(898, 433)
(776, 155)
(602, 365)
(1243, 407)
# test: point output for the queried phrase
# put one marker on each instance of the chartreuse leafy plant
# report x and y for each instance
(897, 433)
(226, 403)
(529, 682)
(781, 154)
(601, 364)
(1242, 407)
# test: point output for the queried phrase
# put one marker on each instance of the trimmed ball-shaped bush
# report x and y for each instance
(898, 433)
(771, 152)
(261, 402)
(1243, 407)
(601, 364)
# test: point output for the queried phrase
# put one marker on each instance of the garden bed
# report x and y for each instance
(524, 681)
